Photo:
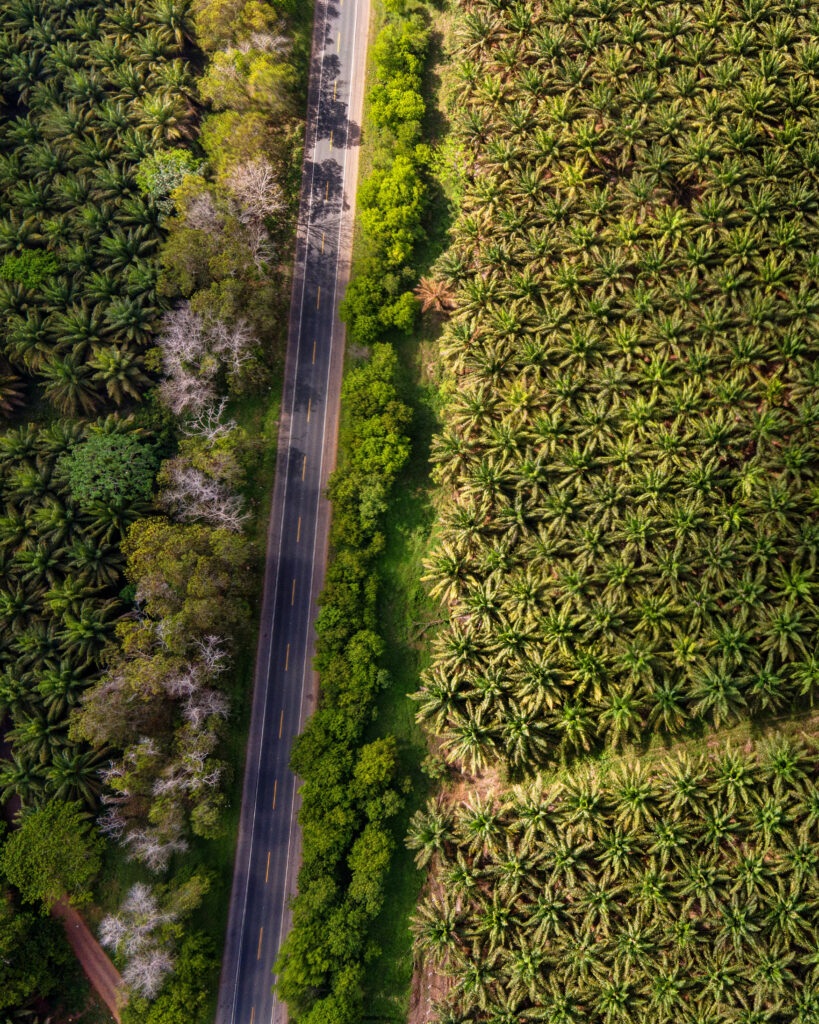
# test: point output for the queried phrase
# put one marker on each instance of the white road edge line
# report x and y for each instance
(321, 466)
(281, 527)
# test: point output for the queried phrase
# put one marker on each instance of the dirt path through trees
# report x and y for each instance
(101, 972)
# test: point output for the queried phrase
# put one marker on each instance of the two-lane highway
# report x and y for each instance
(268, 849)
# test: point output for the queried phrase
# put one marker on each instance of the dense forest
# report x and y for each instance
(626, 553)
(146, 155)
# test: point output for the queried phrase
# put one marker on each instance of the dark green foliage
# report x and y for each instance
(676, 892)
(86, 98)
(53, 853)
(110, 468)
(629, 534)
(35, 959)
(349, 793)
(30, 268)
(62, 570)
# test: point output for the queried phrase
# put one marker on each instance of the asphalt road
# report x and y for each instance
(285, 686)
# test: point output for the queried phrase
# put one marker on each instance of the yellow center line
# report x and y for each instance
(281, 724)
(314, 351)
(327, 189)
(318, 297)
(252, 1011)
(338, 44)
(287, 657)
(303, 467)
(275, 785)
(293, 593)
(335, 83)
(322, 241)
(309, 402)
(259, 952)
(298, 530)
(267, 869)
(331, 137)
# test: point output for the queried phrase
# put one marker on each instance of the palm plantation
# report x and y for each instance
(627, 546)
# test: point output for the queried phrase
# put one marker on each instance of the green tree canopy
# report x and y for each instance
(34, 956)
(53, 853)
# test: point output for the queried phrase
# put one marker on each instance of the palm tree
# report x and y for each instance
(120, 369)
(428, 831)
(74, 774)
(434, 295)
(68, 386)
(435, 927)
(21, 777)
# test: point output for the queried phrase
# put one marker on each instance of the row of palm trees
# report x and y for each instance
(679, 891)
(89, 91)
(61, 575)
(628, 538)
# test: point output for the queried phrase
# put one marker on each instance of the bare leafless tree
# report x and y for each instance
(192, 495)
(207, 425)
(132, 933)
(199, 707)
(257, 193)
(145, 973)
(152, 848)
(111, 822)
(212, 651)
(201, 214)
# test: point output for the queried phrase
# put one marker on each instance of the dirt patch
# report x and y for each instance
(428, 988)
(100, 971)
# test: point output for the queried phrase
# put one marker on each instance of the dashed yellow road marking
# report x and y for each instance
(259, 951)
(298, 530)
(327, 189)
(322, 241)
(331, 137)
(303, 467)
(275, 787)
(335, 84)
(252, 1011)
(287, 657)
(281, 723)
(293, 593)
(318, 297)
(267, 869)
(338, 44)
(314, 352)
(309, 402)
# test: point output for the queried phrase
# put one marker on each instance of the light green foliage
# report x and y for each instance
(677, 891)
(393, 198)
(159, 174)
(391, 204)
(249, 80)
(186, 572)
(628, 536)
(110, 468)
(32, 267)
(54, 853)
(230, 138)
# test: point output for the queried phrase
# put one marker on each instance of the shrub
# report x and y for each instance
(115, 468)
(32, 267)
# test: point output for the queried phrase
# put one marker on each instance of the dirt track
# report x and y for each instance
(100, 971)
